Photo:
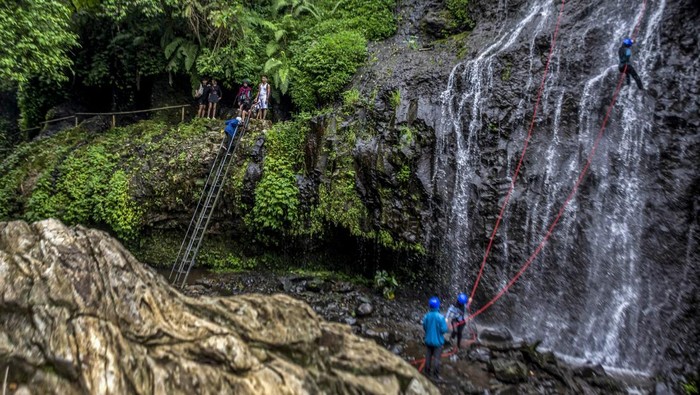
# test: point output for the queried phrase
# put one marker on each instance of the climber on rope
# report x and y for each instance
(456, 316)
(435, 328)
(625, 66)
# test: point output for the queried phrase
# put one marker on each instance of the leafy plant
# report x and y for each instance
(35, 40)
(326, 66)
(276, 206)
(395, 99)
(459, 11)
(351, 98)
(386, 283)
(412, 42)
(404, 175)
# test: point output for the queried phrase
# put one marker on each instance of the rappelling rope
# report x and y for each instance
(522, 155)
(576, 185)
(421, 362)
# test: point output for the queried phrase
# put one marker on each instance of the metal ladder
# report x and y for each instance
(205, 207)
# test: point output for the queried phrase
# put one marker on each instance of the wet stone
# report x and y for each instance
(481, 354)
(588, 371)
(364, 310)
(314, 285)
(509, 370)
(498, 335)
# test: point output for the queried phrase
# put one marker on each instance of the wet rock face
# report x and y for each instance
(78, 314)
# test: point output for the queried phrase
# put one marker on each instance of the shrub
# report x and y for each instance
(458, 11)
(375, 19)
(326, 66)
(351, 98)
(276, 205)
(386, 283)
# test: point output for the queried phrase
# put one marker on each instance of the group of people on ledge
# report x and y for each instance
(209, 94)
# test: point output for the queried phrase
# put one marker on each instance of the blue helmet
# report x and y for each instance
(627, 42)
(434, 302)
(462, 299)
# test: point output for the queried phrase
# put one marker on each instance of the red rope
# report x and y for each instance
(421, 362)
(573, 191)
(522, 155)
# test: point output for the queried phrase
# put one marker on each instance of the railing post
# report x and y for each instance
(182, 117)
(114, 121)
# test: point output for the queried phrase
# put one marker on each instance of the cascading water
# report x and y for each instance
(586, 296)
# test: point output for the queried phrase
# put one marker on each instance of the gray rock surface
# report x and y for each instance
(78, 314)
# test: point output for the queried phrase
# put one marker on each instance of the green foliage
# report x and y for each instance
(35, 98)
(395, 99)
(375, 19)
(351, 98)
(404, 175)
(386, 283)
(276, 206)
(88, 191)
(460, 13)
(412, 42)
(222, 262)
(339, 202)
(690, 388)
(35, 40)
(118, 210)
(326, 66)
(505, 73)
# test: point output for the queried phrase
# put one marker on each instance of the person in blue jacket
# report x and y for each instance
(435, 327)
(230, 129)
(625, 66)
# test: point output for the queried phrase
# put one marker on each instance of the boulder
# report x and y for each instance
(79, 314)
(495, 335)
(509, 370)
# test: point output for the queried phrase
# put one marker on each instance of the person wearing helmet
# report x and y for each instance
(456, 315)
(625, 66)
(435, 328)
(230, 130)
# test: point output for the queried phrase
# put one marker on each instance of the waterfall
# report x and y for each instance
(586, 295)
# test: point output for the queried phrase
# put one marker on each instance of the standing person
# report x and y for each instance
(435, 327)
(243, 97)
(202, 96)
(625, 66)
(263, 97)
(214, 97)
(456, 315)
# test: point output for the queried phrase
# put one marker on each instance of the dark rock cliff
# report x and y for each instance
(618, 281)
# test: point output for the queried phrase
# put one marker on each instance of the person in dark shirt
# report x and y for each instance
(243, 98)
(214, 97)
(457, 316)
(625, 66)
(202, 97)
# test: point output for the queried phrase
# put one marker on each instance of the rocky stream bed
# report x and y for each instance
(495, 364)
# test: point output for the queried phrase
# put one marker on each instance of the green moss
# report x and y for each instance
(505, 73)
(395, 99)
(276, 206)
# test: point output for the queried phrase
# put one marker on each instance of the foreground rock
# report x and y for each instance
(78, 314)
